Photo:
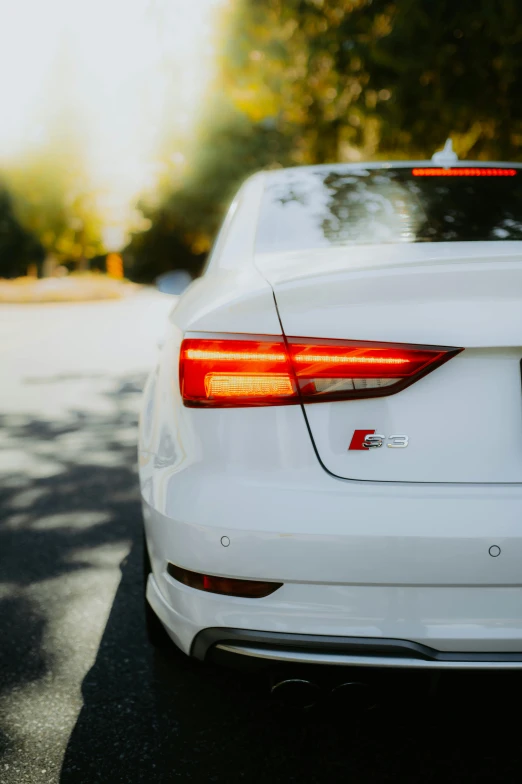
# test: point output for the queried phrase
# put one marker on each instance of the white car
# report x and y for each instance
(331, 443)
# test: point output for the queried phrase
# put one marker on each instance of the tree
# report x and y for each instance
(18, 248)
(183, 227)
(52, 201)
(451, 68)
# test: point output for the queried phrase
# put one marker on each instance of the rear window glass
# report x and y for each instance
(321, 208)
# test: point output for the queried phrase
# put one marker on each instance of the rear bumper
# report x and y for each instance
(344, 651)
(295, 647)
(385, 626)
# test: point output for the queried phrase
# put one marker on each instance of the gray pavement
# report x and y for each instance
(83, 698)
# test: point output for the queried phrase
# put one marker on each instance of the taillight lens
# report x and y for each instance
(243, 371)
(337, 370)
(236, 372)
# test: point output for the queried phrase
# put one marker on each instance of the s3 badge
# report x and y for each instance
(369, 439)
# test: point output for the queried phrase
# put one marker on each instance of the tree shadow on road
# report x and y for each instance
(68, 492)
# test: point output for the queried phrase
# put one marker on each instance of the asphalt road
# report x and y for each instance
(83, 698)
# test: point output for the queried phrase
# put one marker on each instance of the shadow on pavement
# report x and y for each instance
(68, 493)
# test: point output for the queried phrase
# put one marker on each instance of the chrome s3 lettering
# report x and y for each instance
(397, 442)
(369, 439)
(393, 442)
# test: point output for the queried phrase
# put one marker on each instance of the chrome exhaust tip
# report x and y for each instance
(296, 693)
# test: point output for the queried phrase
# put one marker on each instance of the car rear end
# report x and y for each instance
(330, 449)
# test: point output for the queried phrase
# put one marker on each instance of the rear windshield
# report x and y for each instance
(321, 208)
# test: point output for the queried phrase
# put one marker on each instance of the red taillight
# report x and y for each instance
(268, 371)
(235, 372)
(337, 370)
(462, 171)
(229, 586)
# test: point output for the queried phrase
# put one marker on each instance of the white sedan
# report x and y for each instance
(331, 443)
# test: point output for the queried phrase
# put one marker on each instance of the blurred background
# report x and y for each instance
(127, 125)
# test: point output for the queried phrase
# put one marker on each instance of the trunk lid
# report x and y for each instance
(463, 421)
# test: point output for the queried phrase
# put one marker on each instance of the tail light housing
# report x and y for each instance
(246, 370)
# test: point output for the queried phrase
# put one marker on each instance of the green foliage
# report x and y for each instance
(451, 68)
(229, 149)
(352, 79)
(18, 247)
(52, 201)
(51, 196)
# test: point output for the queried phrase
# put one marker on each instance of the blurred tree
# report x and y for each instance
(52, 202)
(49, 184)
(228, 150)
(307, 60)
(352, 79)
(450, 68)
(18, 247)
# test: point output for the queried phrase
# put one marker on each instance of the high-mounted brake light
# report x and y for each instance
(267, 371)
(462, 171)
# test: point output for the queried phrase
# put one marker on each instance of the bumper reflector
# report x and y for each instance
(228, 586)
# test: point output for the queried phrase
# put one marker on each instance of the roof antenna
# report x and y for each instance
(447, 156)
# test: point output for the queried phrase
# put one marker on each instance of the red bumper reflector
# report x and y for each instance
(269, 371)
(462, 171)
(227, 586)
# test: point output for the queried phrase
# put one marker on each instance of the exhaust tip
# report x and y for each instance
(296, 693)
